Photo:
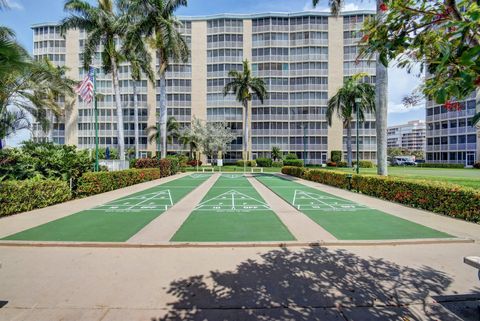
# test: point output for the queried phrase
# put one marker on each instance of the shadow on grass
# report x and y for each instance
(309, 284)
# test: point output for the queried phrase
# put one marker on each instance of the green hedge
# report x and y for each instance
(293, 162)
(364, 164)
(443, 198)
(435, 165)
(27, 195)
(264, 162)
(251, 163)
(100, 182)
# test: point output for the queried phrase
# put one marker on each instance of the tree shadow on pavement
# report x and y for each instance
(308, 284)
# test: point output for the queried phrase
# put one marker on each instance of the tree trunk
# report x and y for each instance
(1, 143)
(381, 102)
(349, 144)
(163, 114)
(118, 104)
(245, 130)
(135, 116)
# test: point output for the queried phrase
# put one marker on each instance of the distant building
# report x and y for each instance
(411, 136)
(451, 138)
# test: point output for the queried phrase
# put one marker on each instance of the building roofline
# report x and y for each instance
(246, 16)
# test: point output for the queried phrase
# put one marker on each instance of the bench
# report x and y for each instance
(473, 261)
(260, 169)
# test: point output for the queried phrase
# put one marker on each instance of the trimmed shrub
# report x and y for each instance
(293, 170)
(194, 162)
(293, 162)
(342, 164)
(174, 164)
(476, 165)
(277, 164)
(100, 182)
(165, 167)
(252, 163)
(147, 163)
(27, 195)
(364, 164)
(331, 164)
(443, 198)
(336, 156)
(264, 162)
(291, 156)
(434, 165)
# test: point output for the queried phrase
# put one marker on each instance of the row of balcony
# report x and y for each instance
(452, 147)
(451, 131)
(450, 115)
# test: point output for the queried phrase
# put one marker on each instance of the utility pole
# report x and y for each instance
(357, 108)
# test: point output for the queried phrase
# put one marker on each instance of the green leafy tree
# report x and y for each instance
(381, 89)
(243, 85)
(103, 25)
(343, 105)
(276, 153)
(158, 23)
(441, 36)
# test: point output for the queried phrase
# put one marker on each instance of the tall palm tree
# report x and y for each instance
(103, 25)
(381, 89)
(140, 61)
(157, 21)
(244, 86)
(343, 105)
(173, 131)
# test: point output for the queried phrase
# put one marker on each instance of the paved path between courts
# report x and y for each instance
(19, 222)
(300, 225)
(164, 227)
(452, 226)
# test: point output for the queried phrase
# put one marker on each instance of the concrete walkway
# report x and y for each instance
(452, 226)
(164, 227)
(420, 282)
(19, 222)
(300, 225)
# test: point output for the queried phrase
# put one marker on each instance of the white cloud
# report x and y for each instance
(15, 5)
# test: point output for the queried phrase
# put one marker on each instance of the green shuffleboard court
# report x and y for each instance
(118, 220)
(345, 219)
(232, 211)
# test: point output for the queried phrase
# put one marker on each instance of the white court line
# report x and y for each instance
(316, 200)
(150, 198)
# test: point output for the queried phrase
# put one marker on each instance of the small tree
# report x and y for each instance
(276, 153)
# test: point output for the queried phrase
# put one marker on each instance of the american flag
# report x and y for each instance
(85, 88)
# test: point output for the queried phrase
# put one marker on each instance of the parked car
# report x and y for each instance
(404, 161)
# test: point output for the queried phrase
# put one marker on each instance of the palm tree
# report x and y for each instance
(276, 153)
(343, 104)
(33, 91)
(140, 61)
(173, 131)
(103, 25)
(244, 85)
(157, 21)
(381, 89)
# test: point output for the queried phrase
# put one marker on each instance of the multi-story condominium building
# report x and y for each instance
(409, 136)
(451, 138)
(303, 58)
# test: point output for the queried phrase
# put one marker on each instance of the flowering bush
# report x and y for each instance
(26, 195)
(100, 182)
(194, 162)
(443, 198)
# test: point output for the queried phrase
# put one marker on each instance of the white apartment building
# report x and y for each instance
(303, 58)
(409, 136)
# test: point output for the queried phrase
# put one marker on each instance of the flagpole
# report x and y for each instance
(96, 118)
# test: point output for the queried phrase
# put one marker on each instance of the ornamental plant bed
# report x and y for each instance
(443, 198)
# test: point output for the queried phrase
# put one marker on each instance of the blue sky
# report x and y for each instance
(24, 13)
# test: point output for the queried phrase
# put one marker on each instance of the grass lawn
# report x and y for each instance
(232, 211)
(468, 177)
(343, 218)
(115, 221)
